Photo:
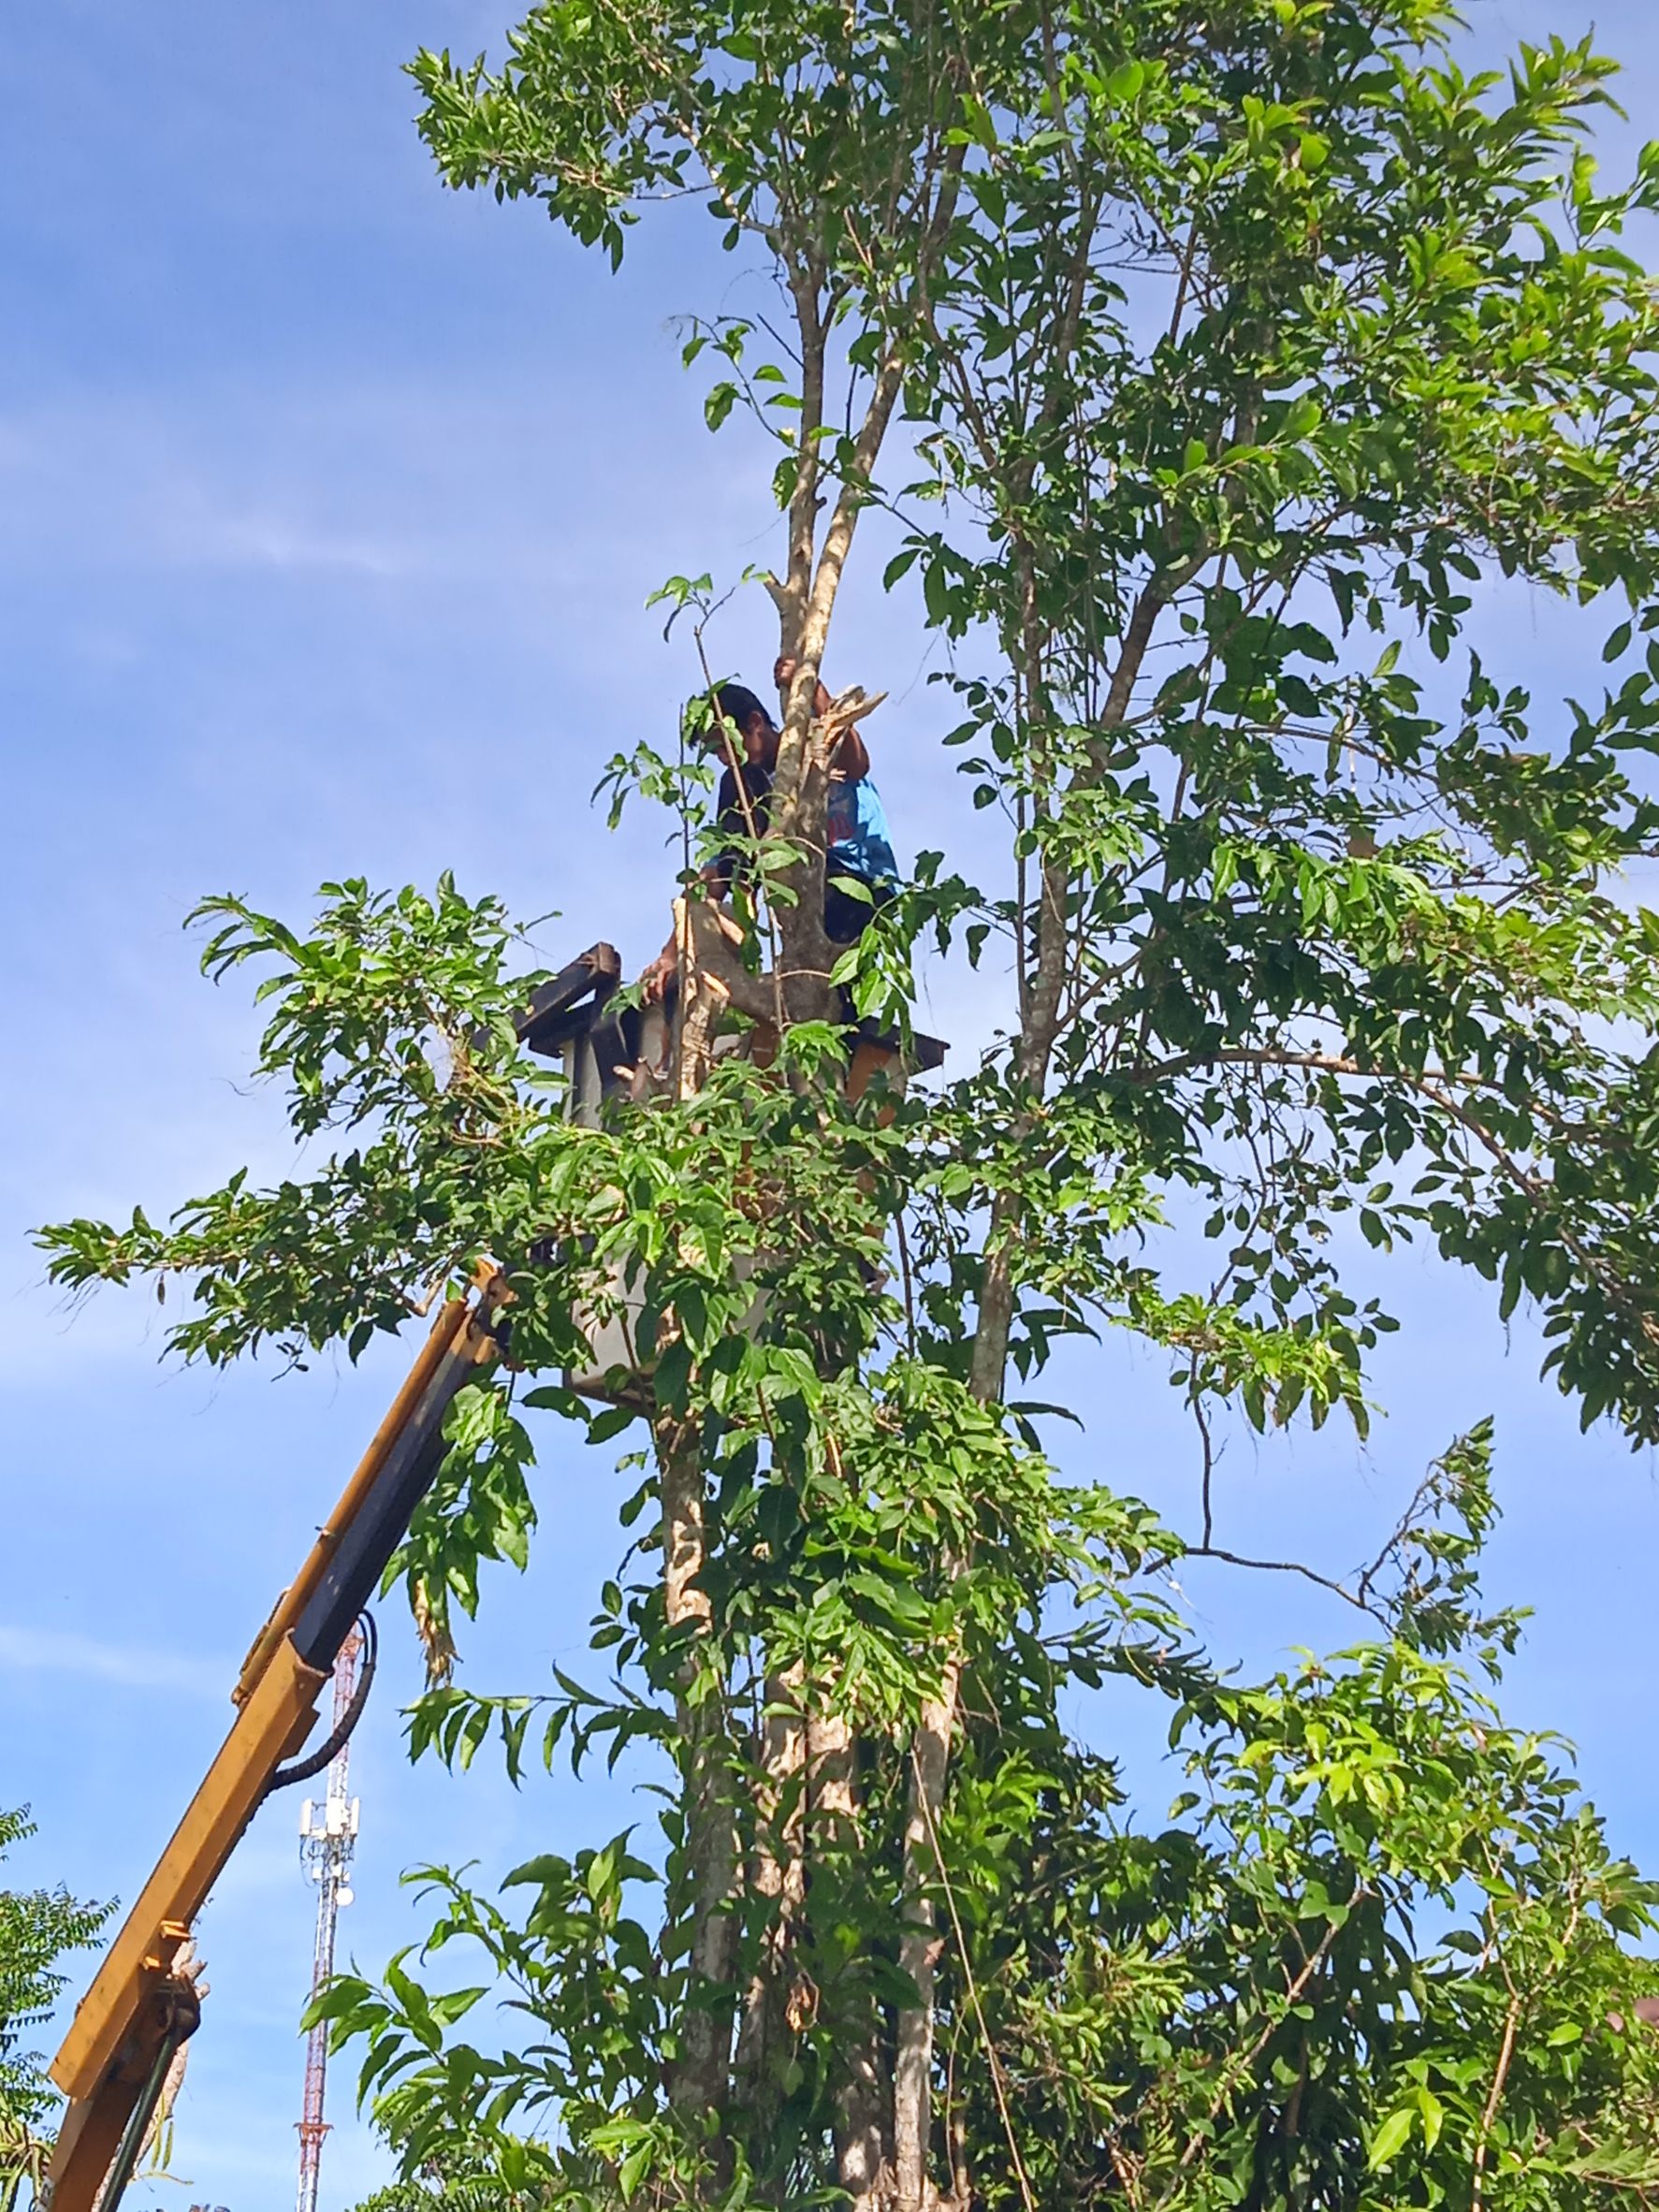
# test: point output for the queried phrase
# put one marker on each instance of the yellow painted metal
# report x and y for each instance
(273, 1724)
(88, 2139)
(121, 2022)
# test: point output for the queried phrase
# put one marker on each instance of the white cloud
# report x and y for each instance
(100, 483)
(383, 480)
(197, 533)
(56, 1652)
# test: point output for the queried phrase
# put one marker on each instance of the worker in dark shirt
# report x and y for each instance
(857, 844)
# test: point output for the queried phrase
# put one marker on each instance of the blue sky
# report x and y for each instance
(328, 506)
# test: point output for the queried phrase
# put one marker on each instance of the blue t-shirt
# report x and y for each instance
(859, 844)
(856, 828)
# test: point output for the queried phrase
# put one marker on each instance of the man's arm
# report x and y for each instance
(849, 754)
(654, 982)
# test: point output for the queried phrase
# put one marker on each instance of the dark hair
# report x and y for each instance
(738, 704)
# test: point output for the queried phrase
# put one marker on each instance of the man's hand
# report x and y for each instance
(783, 675)
(844, 746)
(653, 984)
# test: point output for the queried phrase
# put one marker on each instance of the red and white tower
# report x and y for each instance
(327, 1835)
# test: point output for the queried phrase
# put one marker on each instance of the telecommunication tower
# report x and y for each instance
(327, 1835)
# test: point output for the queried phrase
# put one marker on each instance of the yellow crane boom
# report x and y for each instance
(142, 2005)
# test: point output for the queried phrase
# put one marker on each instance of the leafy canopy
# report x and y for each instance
(37, 1928)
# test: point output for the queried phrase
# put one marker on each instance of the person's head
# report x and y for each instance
(737, 704)
(783, 675)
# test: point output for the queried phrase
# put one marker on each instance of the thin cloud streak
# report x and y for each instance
(51, 1650)
(246, 476)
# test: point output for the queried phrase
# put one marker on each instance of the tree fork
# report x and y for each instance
(800, 787)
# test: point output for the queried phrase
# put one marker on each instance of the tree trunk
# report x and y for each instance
(806, 601)
(863, 2127)
(697, 2080)
(777, 1884)
(920, 1947)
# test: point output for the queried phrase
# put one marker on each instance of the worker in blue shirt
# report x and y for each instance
(857, 844)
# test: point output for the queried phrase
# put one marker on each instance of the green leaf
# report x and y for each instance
(1388, 2139)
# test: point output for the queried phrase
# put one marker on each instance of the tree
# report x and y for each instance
(37, 1928)
(454, 2180)
(1207, 358)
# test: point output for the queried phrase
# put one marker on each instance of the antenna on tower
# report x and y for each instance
(328, 1837)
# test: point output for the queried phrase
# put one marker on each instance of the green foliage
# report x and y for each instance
(478, 1508)
(461, 2180)
(37, 1929)
(1381, 1911)
(1239, 2002)
(393, 1022)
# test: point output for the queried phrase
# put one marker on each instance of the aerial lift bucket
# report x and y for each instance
(610, 1052)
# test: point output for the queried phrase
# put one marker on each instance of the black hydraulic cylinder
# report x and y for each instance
(353, 1575)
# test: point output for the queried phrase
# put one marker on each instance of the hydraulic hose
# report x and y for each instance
(313, 1762)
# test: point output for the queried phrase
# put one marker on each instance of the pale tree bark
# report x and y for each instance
(806, 291)
(712, 977)
(863, 2108)
(800, 790)
(699, 943)
(920, 1946)
(806, 600)
(777, 1890)
(698, 2078)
